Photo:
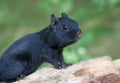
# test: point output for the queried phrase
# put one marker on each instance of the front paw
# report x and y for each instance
(58, 67)
(64, 65)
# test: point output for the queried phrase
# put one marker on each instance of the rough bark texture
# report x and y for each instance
(99, 70)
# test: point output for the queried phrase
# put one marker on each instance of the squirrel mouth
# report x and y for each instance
(78, 36)
(74, 39)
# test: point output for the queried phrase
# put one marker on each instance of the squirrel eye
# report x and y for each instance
(65, 27)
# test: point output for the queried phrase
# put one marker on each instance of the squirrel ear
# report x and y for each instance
(54, 21)
(64, 15)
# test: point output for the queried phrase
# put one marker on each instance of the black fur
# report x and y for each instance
(26, 54)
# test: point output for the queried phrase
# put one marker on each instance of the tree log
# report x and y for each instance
(98, 70)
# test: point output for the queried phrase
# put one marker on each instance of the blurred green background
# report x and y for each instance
(98, 19)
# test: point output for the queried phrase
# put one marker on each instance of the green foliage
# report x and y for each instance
(103, 3)
(98, 19)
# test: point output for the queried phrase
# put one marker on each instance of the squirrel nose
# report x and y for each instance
(79, 32)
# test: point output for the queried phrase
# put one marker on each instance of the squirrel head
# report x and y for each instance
(63, 31)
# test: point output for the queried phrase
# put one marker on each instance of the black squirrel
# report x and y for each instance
(25, 55)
